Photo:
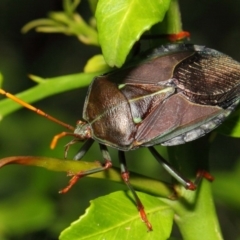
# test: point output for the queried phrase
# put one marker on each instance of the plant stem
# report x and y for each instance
(195, 214)
(140, 182)
(172, 23)
(195, 210)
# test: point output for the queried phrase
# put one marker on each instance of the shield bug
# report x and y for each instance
(174, 94)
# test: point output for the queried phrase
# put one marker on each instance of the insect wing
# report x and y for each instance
(144, 98)
(155, 69)
(208, 89)
(209, 77)
(174, 117)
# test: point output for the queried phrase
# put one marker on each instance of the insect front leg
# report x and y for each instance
(84, 149)
(81, 153)
(125, 177)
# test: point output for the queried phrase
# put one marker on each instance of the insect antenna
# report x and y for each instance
(36, 110)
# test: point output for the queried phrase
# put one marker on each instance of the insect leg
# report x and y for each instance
(82, 151)
(203, 174)
(106, 165)
(125, 177)
(58, 136)
(171, 37)
(185, 182)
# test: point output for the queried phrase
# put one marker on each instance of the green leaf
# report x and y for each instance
(121, 23)
(45, 88)
(116, 217)
(96, 64)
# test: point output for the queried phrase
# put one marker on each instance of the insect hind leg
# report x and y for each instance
(174, 173)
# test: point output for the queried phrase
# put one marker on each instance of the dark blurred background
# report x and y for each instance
(30, 207)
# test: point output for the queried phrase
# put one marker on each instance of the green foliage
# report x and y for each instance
(121, 24)
(107, 222)
(45, 88)
(113, 216)
(68, 22)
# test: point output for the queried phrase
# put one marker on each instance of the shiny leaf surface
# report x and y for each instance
(115, 217)
(121, 23)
